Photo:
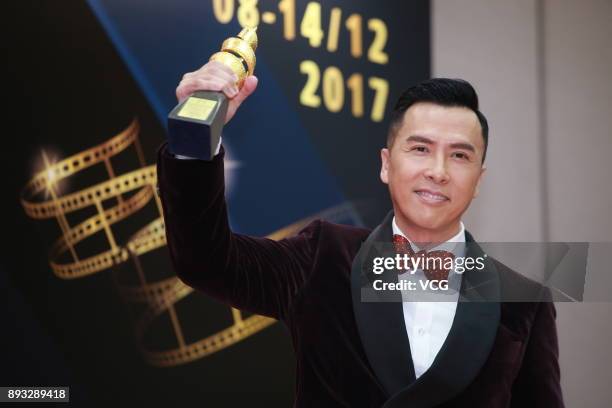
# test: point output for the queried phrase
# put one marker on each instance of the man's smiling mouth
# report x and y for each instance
(431, 196)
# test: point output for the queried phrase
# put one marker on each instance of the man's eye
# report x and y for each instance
(421, 149)
(460, 155)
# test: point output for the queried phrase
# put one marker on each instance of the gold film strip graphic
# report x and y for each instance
(46, 182)
(42, 199)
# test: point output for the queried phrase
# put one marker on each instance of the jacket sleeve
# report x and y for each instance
(255, 274)
(538, 380)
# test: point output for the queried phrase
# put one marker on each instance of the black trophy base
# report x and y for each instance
(195, 125)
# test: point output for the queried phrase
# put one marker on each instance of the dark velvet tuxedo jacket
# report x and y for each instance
(351, 353)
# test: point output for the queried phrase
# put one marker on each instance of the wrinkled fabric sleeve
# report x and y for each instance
(538, 382)
(255, 274)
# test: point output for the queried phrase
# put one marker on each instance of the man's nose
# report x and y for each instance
(437, 171)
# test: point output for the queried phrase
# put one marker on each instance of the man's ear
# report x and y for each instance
(384, 165)
(477, 189)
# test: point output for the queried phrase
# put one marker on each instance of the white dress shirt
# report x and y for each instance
(428, 323)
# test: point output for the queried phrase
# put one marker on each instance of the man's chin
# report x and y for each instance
(430, 223)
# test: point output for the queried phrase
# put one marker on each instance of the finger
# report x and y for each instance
(189, 86)
(250, 84)
(216, 66)
(230, 91)
(227, 82)
(224, 72)
(228, 87)
(219, 72)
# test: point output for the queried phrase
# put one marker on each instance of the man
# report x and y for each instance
(470, 350)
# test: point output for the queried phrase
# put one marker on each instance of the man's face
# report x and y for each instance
(433, 169)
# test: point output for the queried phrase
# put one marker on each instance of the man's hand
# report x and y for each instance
(215, 76)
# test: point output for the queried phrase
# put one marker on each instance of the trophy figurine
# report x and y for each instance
(195, 124)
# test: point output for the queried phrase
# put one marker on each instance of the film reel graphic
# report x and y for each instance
(42, 199)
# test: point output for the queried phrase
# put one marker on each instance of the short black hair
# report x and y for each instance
(441, 91)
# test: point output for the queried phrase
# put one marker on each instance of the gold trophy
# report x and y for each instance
(195, 124)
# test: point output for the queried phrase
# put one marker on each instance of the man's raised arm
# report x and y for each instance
(250, 273)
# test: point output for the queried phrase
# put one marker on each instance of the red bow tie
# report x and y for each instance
(433, 263)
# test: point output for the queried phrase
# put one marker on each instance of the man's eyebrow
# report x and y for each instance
(426, 140)
(421, 139)
(464, 146)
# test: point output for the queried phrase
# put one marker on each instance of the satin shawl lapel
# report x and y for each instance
(381, 325)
